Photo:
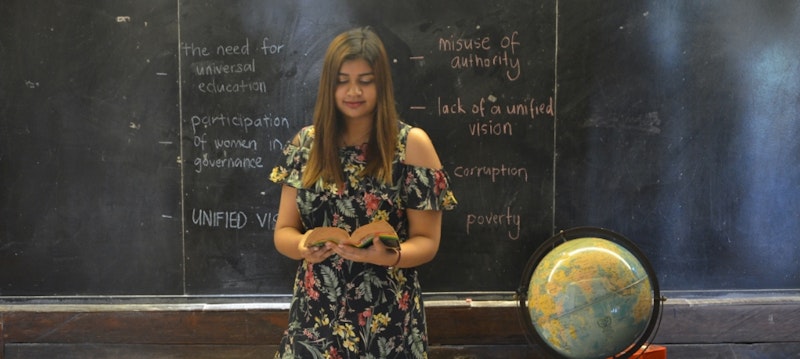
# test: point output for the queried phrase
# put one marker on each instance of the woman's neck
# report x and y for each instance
(356, 134)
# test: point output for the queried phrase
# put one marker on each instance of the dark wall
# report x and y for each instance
(137, 137)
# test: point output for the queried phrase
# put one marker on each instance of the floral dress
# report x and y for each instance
(346, 309)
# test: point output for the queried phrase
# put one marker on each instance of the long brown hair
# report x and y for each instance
(323, 160)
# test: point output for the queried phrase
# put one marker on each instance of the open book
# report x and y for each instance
(362, 237)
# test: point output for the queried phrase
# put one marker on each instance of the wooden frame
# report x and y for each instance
(766, 325)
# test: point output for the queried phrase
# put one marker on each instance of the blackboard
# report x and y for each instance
(90, 179)
(678, 127)
(477, 78)
(137, 137)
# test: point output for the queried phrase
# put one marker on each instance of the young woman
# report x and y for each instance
(358, 163)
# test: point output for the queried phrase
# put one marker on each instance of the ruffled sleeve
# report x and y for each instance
(428, 189)
(289, 167)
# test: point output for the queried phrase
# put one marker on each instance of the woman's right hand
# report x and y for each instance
(314, 254)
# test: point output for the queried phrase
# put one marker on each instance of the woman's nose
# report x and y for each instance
(354, 90)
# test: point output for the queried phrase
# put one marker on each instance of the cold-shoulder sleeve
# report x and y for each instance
(428, 189)
(289, 167)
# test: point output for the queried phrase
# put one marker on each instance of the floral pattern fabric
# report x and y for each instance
(346, 309)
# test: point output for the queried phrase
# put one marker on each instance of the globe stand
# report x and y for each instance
(555, 257)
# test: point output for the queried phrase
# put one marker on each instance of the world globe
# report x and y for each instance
(589, 293)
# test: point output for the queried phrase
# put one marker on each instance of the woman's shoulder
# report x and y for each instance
(304, 136)
(419, 149)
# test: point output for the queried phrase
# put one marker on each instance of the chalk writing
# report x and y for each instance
(490, 106)
(506, 220)
(204, 127)
(235, 219)
(224, 143)
(219, 219)
(231, 68)
(489, 115)
(496, 60)
(450, 108)
(235, 143)
(243, 122)
(490, 128)
(276, 145)
(478, 52)
(190, 49)
(527, 108)
(247, 163)
(457, 44)
(270, 49)
(267, 220)
(234, 49)
(208, 68)
(243, 86)
(491, 171)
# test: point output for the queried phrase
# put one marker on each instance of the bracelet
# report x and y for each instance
(399, 255)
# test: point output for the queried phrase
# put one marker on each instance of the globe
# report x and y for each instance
(591, 294)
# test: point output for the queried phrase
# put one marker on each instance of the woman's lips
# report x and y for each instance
(352, 104)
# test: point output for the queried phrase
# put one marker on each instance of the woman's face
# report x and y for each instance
(356, 92)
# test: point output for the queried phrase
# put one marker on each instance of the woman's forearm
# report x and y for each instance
(287, 240)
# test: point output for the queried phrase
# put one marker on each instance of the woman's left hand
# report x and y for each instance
(378, 253)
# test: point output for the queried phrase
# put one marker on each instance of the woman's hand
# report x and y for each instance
(314, 254)
(378, 253)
